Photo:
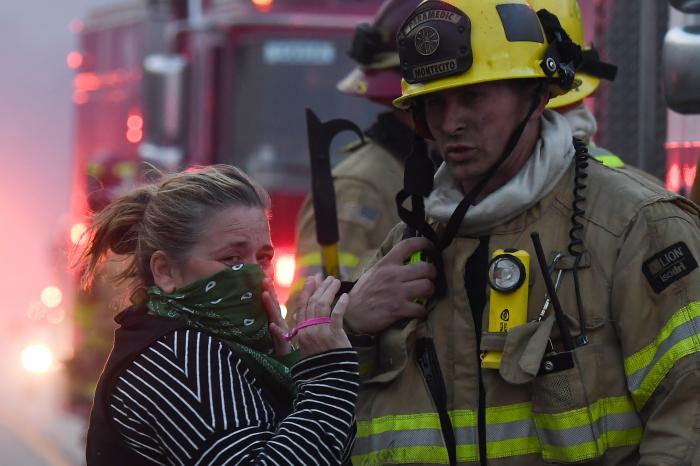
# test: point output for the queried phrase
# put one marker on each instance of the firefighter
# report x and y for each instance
(369, 177)
(592, 70)
(604, 368)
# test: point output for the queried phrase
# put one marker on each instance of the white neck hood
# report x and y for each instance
(550, 159)
(582, 122)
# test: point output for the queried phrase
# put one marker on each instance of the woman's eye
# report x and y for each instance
(232, 260)
(265, 261)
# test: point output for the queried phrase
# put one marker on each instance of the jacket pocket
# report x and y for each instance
(392, 353)
(564, 410)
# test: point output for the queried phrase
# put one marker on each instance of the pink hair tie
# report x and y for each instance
(306, 323)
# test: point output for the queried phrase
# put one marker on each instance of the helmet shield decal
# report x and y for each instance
(435, 41)
(520, 23)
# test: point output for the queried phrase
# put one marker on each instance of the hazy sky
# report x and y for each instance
(35, 142)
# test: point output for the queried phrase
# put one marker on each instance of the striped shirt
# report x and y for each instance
(189, 400)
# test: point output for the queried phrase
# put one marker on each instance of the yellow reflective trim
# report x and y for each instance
(418, 454)
(94, 169)
(403, 455)
(624, 438)
(586, 415)
(314, 258)
(508, 413)
(396, 422)
(513, 447)
(643, 357)
(590, 450)
(467, 453)
(612, 161)
(124, 169)
(463, 418)
(662, 367)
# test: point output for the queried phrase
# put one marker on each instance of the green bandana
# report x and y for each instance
(228, 305)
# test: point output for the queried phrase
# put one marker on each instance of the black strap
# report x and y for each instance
(594, 66)
(563, 56)
(430, 368)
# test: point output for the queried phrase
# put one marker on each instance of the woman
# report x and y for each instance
(202, 371)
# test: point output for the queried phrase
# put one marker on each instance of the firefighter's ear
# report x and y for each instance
(164, 273)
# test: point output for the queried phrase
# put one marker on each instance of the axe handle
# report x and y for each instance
(329, 259)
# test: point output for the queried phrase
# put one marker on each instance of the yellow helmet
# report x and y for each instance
(569, 15)
(451, 43)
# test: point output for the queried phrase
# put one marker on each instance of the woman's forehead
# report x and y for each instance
(238, 222)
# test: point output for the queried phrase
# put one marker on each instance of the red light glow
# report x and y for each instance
(51, 296)
(75, 26)
(76, 233)
(683, 145)
(262, 5)
(74, 60)
(56, 316)
(80, 98)
(36, 311)
(284, 270)
(37, 358)
(689, 176)
(134, 136)
(134, 122)
(673, 178)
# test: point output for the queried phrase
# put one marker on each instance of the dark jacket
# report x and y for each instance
(137, 332)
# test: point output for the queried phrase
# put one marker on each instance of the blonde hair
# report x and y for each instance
(167, 215)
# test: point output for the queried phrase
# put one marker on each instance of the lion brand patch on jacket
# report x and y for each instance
(669, 266)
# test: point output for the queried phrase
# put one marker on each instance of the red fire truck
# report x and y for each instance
(182, 82)
(178, 83)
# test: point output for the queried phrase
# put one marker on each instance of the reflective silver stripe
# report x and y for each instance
(680, 333)
(621, 421)
(578, 435)
(510, 430)
(466, 435)
(398, 439)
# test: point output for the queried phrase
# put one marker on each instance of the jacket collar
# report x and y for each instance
(550, 160)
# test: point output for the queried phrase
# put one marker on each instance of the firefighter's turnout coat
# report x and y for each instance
(633, 393)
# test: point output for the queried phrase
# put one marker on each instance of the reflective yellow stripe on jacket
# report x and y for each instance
(605, 157)
(310, 264)
(511, 431)
(646, 368)
(586, 433)
(413, 438)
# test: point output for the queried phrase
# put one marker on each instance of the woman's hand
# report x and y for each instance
(315, 301)
(277, 325)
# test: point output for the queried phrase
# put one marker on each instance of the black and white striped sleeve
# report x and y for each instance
(189, 400)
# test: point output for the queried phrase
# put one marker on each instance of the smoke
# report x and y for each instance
(35, 143)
